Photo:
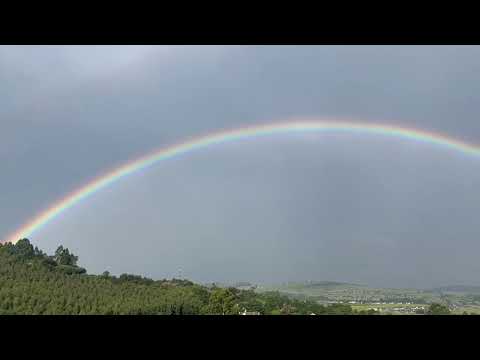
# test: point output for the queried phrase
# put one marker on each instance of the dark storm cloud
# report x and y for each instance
(302, 207)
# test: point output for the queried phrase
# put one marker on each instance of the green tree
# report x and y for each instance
(64, 257)
(438, 309)
(24, 249)
(222, 302)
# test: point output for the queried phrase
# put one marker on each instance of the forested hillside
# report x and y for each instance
(32, 282)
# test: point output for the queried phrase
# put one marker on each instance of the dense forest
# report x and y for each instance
(32, 282)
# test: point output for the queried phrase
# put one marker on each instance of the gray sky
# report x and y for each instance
(292, 207)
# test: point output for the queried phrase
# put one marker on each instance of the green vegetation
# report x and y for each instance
(32, 282)
(438, 309)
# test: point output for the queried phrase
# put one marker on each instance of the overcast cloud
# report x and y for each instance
(293, 207)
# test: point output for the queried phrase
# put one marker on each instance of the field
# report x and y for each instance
(471, 309)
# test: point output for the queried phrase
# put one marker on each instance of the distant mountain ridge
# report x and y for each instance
(458, 288)
(330, 284)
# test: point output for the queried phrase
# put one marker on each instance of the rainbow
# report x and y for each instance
(221, 137)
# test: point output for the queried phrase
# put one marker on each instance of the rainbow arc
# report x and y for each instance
(169, 152)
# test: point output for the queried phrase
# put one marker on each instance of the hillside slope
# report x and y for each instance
(32, 282)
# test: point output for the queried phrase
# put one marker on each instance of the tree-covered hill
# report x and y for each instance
(32, 282)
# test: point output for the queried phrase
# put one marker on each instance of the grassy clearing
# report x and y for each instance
(471, 309)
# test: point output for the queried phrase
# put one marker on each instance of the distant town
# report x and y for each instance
(458, 299)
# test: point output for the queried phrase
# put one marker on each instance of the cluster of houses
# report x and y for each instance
(375, 303)
(406, 309)
(245, 312)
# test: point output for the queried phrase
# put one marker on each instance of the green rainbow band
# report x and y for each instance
(105, 180)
